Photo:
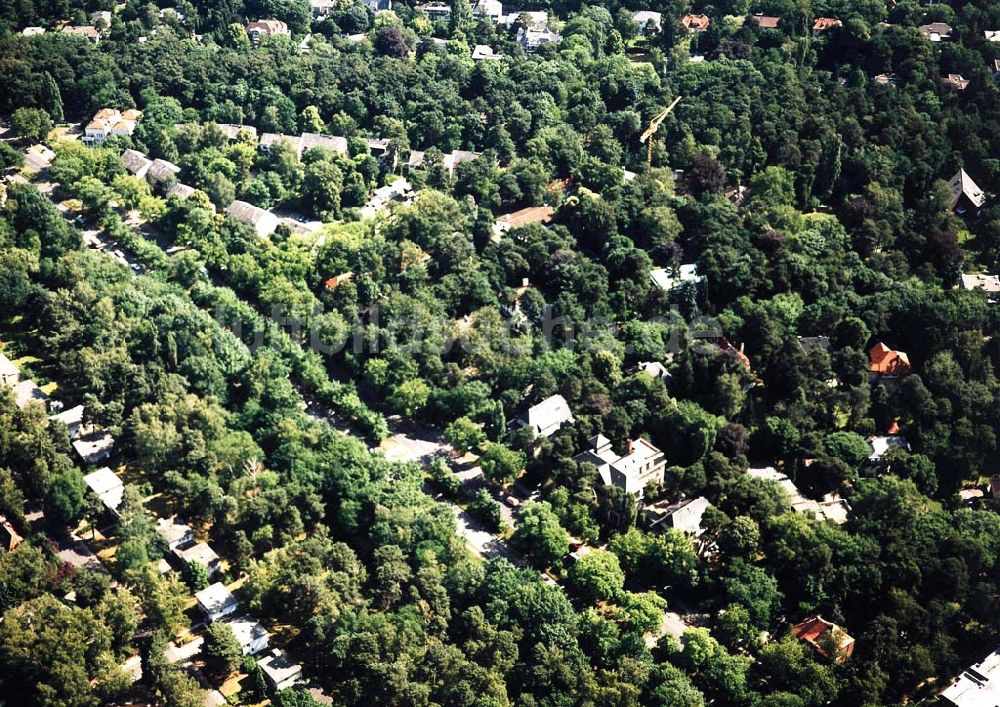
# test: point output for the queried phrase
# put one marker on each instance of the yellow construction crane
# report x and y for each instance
(654, 125)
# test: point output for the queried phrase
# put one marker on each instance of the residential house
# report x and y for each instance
(108, 122)
(684, 515)
(886, 79)
(647, 21)
(936, 31)
(101, 16)
(232, 131)
(827, 638)
(32, 31)
(251, 636)
(378, 5)
(322, 8)
(398, 190)
(977, 686)
(174, 533)
(88, 31)
(489, 9)
(483, 52)
(887, 363)
(522, 218)
(161, 171)
(986, 283)
(695, 23)
(201, 553)
(262, 29)
(883, 443)
(337, 280)
(93, 446)
(9, 538)
(532, 40)
(106, 486)
(653, 369)
(811, 344)
(644, 464)
(280, 670)
(992, 35)
(27, 391)
(955, 82)
(832, 508)
(457, 157)
(216, 602)
(535, 19)
(727, 349)
(668, 279)
(546, 417)
(9, 373)
(303, 142)
(767, 22)
(73, 419)
(435, 10)
(262, 221)
(965, 193)
(136, 163)
(37, 158)
(822, 24)
(181, 191)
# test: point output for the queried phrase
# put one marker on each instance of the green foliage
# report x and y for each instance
(221, 651)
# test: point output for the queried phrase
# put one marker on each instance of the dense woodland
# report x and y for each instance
(846, 233)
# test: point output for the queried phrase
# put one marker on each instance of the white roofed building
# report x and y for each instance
(546, 417)
(108, 487)
(280, 670)
(643, 464)
(9, 373)
(216, 602)
(977, 686)
(251, 636)
(262, 221)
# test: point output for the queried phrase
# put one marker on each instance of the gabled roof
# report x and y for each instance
(7, 368)
(27, 391)
(72, 418)
(523, 217)
(551, 412)
(645, 18)
(247, 632)
(824, 23)
(181, 191)
(962, 185)
(888, 362)
(199, 552)
(818, 632)
(135, 162)
(161, 170)
(767, 22)
(108, 487)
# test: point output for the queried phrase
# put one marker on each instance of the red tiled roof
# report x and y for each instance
(696, 23)
(824, 23)
(814, 630)
(887, 362)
